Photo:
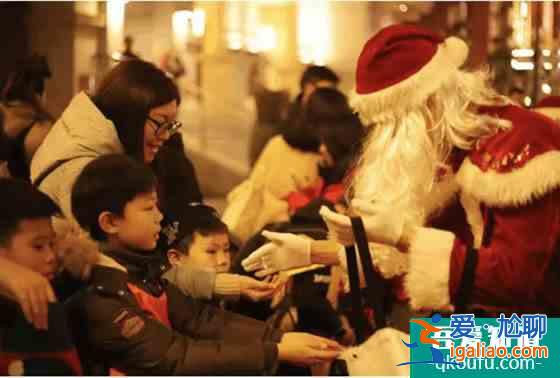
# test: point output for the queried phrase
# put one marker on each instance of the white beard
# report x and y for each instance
(398, 167)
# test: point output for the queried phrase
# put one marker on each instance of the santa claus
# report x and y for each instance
(461, 184)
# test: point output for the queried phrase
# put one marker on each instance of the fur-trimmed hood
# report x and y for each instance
(78, 253)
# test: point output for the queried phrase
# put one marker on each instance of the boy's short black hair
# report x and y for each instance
(185, 222)
(314, 74)
(108, 183)
(19, 200)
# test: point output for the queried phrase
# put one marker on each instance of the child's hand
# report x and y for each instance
(304, 349)
(280, 283)
(256, 290)
(31, 290)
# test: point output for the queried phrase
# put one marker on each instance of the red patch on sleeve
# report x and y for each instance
(129, 324)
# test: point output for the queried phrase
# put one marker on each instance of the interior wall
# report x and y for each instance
(149, 23)
(351, 28)
(16, 41)
(51, 26)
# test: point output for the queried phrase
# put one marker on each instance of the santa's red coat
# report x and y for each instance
(506, 206)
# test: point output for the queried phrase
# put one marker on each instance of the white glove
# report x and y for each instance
(286, 251)
(382, 224)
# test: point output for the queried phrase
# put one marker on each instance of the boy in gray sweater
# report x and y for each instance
(199, 251)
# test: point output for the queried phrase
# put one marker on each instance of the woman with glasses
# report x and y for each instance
(133, 111)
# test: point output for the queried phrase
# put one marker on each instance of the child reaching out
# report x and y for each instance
(132, 320)
(197, 239)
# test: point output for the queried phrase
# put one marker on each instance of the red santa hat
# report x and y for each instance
(400, 67)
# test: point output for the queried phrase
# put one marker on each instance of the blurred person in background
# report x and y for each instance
(517, 95)
(26, 120)
(312, 78)
(277, 117)
(128, 53)
(289, 163)
(340, 134)
(271, 112)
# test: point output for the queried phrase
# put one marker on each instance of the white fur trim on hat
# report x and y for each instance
(536, 178)
(411, 92)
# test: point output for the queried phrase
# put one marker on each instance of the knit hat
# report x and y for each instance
(185, 220)
(400, 67)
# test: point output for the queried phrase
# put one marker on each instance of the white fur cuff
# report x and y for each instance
(386, 259)
(538, 177)
(427, 281)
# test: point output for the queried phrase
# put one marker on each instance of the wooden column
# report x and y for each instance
(556, 19)
(478, 25)
(437, 19)
(15, 43)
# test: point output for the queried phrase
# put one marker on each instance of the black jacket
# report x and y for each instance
(178, 184)
(112, 330)
(39, 352)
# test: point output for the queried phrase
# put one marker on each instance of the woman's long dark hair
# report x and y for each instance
(27, 84)
(337, 127)
(326, 106)
(127, 94)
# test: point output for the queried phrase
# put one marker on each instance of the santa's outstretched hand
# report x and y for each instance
(285, 251)
(382, 224)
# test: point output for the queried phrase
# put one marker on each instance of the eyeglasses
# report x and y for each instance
(161, 127)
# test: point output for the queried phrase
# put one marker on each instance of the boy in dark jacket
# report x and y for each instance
(26, 249)
(131, 320)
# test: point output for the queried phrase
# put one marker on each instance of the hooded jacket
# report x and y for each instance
(83, 134)
(139, 324)
(80, 135)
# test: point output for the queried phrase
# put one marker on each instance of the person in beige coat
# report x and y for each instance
(133, 111)
(262, 198)
(290, 163)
